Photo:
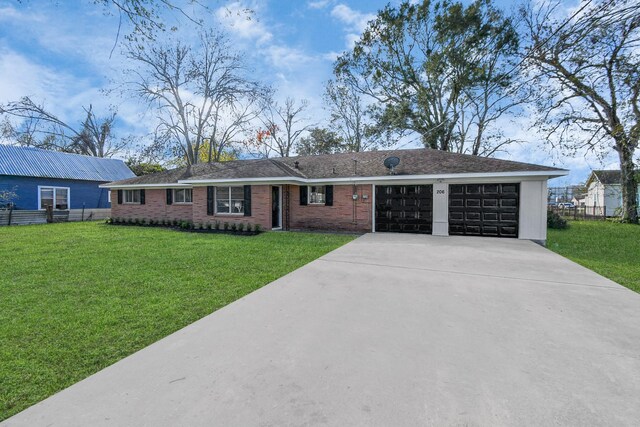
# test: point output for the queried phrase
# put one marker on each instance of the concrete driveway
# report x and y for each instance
(389, 330)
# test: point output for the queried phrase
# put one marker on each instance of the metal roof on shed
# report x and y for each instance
(34, 162)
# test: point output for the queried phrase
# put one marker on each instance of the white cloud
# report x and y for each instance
(287, 57)
(320, 4)
(11, 14)
(237, 20)
(354, 20)
(330, 56)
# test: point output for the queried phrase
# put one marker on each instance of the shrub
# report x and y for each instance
(234, 227)
(226, 225)
(249, 227)
(241, 226)
(555, 221)
(216, 225)
(186, 225)
(258, 228)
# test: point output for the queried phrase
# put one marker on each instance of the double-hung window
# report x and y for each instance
(132, 197)
(57, 197)
(230, 200)
(317, 194)
(182, 195)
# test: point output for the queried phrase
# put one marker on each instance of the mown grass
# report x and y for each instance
(77, 297)
(608, 248)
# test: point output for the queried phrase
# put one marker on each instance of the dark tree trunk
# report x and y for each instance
(629, 185)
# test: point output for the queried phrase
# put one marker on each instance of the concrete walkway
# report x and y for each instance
(389, 330)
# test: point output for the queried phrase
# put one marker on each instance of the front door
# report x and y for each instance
(275, 208)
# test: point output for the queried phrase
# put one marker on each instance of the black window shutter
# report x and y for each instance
(303, 195)
(169, 196)
(247, 200)
(142, 197)
(328, 195)
(119, 197)
(209, 200)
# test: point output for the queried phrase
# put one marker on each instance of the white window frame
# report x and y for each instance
(215, 200)
(324, 195)
(175, 199)
(54, 188)
(124, 197)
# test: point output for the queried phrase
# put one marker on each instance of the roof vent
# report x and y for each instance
(390, 163)
(296, 164)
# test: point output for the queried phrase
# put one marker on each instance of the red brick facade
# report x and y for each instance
(155, 207)
(346, 214)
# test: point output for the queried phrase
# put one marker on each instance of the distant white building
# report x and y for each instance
(604, 189)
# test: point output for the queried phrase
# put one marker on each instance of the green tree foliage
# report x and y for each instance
(143, 168)
(320, 141)
(439, 70)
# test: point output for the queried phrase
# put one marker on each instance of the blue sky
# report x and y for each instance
(60, 53)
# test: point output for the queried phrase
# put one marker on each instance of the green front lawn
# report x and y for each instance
(608, 248)
(77, 297)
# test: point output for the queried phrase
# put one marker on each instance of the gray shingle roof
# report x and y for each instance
(420, 161)
(609, 177)
(34, 162)
(367, 164)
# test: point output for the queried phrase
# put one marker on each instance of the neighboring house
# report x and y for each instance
(65, 181)
(429, 191)
(604, 190)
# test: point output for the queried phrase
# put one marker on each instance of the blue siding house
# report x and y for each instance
(35, 178)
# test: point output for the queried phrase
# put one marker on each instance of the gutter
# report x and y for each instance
(188, 183)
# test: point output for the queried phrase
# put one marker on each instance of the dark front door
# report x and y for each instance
(484, 209)
(275, 207)
(404, 208)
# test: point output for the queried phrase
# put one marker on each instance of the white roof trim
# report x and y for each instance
(141, 186)
(187, 183)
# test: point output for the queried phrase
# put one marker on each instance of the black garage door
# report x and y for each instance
(404, 208)
(484, 210)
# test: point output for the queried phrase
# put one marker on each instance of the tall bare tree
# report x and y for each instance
(350, 118)
(588, 71)
(282, 126)
(31, 124)
(200, 93)
(438, 70)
